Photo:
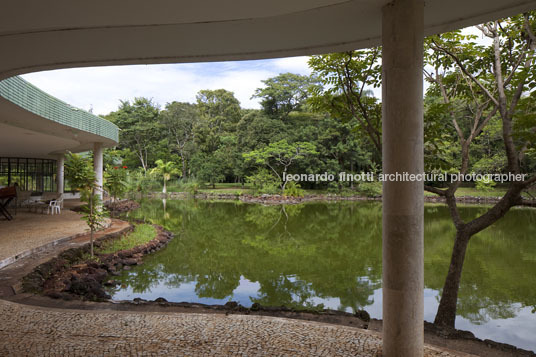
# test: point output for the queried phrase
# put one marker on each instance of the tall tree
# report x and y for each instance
(476, 84)
(179, 120)
(219, 108)
(347, 78)
(284, 93)
(140, 127)
(280, 156)
(166, 169)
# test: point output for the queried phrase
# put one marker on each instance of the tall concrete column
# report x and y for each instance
(97, 166)
(60, 163)
(403, 202)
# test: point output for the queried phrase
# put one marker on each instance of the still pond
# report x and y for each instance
(330, 254)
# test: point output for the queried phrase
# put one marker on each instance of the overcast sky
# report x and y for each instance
(101, 88)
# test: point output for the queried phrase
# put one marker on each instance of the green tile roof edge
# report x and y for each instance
(33, 99)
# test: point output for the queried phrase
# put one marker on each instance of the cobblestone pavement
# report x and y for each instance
(35, 331)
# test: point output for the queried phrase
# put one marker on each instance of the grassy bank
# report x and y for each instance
(142, 234)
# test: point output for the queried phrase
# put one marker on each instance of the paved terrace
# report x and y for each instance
(29, 231)
(43, 331)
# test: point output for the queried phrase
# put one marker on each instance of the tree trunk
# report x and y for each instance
(284, 183)
(446, 312)
(165, 187)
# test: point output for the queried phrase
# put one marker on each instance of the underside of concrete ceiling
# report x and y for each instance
(38, 35)
(24, 134)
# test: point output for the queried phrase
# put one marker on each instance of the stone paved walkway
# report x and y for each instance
(35, 331)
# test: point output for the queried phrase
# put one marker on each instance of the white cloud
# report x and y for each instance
(101, 88)
(293, 64)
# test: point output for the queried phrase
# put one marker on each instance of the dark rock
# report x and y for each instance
(130, 261)
(88, 288)
(363, 315)
(160, 299)
(231, 304)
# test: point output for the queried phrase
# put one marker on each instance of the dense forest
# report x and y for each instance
(215, 140)
(330, 121)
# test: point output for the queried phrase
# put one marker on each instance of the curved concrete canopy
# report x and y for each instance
(25, 134)
(37, 125)
(39, 35)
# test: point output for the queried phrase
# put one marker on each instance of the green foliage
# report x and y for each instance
(192, 186)
(92, 212)
(264, 181)
(82, 178)
(140, 128)
(79, 172)
(140, 182)
(284, 93)
(280, 156)
(166, 170)
(293, 189)
(370, 189)
(208, 168)
(115, 180)
(485, 185)
(142, 234)
(347, 79)
(179, 119)
(220, 108)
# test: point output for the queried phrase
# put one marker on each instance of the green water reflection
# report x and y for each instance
(330, 253)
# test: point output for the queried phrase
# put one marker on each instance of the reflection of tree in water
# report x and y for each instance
(333, 250)
(216, 285)
(294, 252)
(498, 274)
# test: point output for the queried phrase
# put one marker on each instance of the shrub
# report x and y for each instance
(485, 184)
(293, 189)
(370, 189)
(264, 181)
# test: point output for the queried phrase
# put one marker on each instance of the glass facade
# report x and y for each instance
(38, 175)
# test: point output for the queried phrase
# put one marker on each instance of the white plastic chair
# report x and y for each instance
(55, 206)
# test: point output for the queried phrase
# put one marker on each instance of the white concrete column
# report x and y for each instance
(97, 166)
(403, 202)
(60, 163)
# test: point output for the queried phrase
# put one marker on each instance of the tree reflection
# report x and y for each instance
(331, 250)
(294, 252)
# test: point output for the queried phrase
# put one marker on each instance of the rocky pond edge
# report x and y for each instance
(275, 199)
(74, 275)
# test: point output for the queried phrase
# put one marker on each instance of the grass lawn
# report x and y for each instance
(471, 191)
(142, 234)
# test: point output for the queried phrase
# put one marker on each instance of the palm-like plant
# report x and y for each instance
(166, 169)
